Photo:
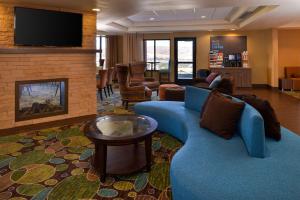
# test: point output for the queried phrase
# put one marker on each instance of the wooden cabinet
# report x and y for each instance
(241, 75)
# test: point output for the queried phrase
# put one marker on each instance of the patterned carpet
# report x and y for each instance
(55, 164)
(293, 94)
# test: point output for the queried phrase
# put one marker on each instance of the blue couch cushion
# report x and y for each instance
(250, 127)
(195, 98)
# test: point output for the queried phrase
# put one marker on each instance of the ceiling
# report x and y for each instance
(184, 15)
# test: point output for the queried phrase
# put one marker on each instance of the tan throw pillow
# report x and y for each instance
(221, 115)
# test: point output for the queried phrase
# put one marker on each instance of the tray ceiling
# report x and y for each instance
(178, 15)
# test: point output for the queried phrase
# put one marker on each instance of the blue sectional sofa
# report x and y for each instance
(249, 166)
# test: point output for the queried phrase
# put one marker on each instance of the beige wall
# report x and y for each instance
(272, 50)
(288, 49)
(257, 46)
(269, 51)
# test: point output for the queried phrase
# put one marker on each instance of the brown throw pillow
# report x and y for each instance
(272, 125)
(226, 86)
(207, 100)
(221, 115)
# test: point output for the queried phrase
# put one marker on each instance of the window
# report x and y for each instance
(100, 45)
(157, 54)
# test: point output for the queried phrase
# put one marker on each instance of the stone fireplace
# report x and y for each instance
(45, 86)
(41, 98)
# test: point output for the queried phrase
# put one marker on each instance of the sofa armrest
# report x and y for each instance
(252, 131)
(136, 88)
(137, 92)
(150, 79)
(134, 84)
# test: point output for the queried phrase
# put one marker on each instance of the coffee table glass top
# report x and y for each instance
(119, 126)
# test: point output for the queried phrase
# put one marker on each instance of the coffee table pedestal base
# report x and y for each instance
(121, 160)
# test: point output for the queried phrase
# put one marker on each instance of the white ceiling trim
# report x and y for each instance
(182, 23)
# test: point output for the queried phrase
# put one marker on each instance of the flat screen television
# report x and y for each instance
(36, 27)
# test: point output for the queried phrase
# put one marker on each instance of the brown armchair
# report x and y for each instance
(110, 75)
(137, 71)
(226, 85)
(102, 82)
(130, 93)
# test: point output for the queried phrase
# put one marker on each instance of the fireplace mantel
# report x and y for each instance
(46, 50)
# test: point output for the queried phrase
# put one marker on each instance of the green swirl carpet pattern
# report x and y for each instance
(54, 164)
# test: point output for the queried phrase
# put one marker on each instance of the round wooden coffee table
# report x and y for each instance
(118, 148)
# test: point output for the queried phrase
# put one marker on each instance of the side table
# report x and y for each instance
(286, 84)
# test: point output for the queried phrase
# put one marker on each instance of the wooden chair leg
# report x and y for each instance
(105, 92)
(107, 88)
(111, 89)
(100, 92)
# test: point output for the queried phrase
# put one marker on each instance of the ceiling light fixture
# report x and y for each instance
(96, 9)
(203, 17)
(233, 29)
(151, 18)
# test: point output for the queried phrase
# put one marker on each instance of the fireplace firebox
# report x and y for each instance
(41, 98)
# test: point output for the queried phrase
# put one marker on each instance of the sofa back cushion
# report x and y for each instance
(250, 127)
(195, 98)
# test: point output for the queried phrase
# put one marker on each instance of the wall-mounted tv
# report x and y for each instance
(36, 27)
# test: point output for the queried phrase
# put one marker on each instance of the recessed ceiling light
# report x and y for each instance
(203, 17)
(96, 9)
(233, 29)
(151, 18)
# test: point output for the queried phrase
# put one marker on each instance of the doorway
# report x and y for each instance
(185, 60)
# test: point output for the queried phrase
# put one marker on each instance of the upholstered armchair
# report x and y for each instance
(102, 82)
(110, 75)
(137, 76)
(130, 93)
(225, 85)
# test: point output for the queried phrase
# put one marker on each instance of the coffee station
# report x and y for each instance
(229, 57)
